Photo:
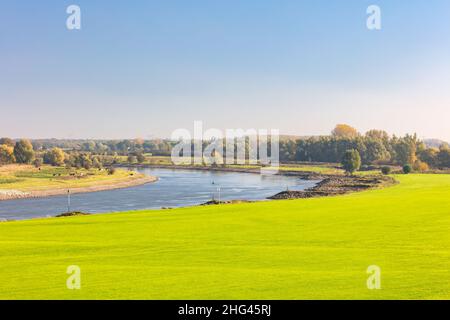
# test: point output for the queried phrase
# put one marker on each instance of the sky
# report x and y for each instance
(146, 68)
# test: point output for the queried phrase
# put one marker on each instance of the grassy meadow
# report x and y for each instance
(28, 178)
(292, 249)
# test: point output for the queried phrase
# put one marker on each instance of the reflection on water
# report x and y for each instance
(175, 188)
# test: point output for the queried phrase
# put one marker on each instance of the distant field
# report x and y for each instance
(28, 178)
(324, 169)
(295, 249)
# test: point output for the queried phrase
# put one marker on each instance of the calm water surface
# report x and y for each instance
(175, 188)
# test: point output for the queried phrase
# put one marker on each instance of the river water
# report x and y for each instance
(175, 188)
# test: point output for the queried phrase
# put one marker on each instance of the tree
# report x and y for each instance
(131, 159)
(89, 146)
(85, 161)
(443, 157)
(377, 135)
(97, 163)
(55, 157)
(344, 131)
(405, 151)
(351, 161)
(140, 158)
(23, 151)
(6, 154)
(7, 141)
(430, 157)
(375, 151)
(420, 166)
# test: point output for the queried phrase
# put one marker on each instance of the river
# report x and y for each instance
(175, 188)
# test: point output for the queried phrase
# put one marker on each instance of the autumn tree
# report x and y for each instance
(7, 141)
(430, 157)
(344, 131)
(6, 154)
(54, 157)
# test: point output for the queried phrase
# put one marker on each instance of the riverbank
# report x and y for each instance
(20, 182)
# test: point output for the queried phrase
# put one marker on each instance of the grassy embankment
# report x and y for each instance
(26, 178)
(294, 249)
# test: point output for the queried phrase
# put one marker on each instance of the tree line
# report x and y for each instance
(375, 147)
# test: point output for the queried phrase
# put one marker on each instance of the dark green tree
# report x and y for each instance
(351, 161)
(23, 151)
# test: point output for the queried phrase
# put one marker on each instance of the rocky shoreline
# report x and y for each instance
(337, 185)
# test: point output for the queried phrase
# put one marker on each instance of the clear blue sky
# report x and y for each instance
(146, 68)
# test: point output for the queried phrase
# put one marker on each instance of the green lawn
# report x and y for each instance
(298, 249)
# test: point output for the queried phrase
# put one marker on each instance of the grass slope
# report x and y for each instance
(29, 178)
(295, 249)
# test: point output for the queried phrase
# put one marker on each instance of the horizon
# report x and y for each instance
(145, 70)
(281, 135)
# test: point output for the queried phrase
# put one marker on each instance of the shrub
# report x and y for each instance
(111, 170)
(386, 170)
(407, 169)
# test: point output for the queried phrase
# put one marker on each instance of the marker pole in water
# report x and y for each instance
(68, 200)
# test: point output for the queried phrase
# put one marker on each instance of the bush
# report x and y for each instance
(407, 169)
(111, 170)
(386, 170)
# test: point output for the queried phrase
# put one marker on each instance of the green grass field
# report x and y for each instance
(295, 249)
(29, 178)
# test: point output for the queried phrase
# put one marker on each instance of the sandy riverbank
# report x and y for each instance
(17, 194)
